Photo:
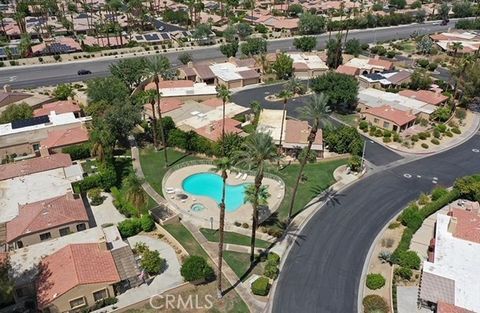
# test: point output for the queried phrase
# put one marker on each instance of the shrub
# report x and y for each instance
(274, 258)
(378, 133)
(460, 113)
(435, 141)
(261, 286)
(108, 177)
(95, 196)
(408, 259)
(385, 256)
(448, 133)
(455, 130)
(422, 135)
(78, 152)
(245, 225)
(391, 54)
(441, 128)
(432, 66)
(436, 133)
(387, 133)
(89, 182)
(396, 137)
(195, 268)
(152, 263)
(387, 139)
(365, 46)
(363, 125)
(438, 192)
(375, 304)
(424, 146)
(423, 62)
(375, 281)
(404, 273)
(147, 223)
(57, 57)
(423, 199)
(355, 163)
(414, 138)
(411, 217)
(130, 227)
(271, 270)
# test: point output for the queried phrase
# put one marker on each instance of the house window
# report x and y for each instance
(64, 231)
(81, 227)
(376, 120)
(76, 303)
(100, 295)
(386, 124)
(19, 244)
(45, 236)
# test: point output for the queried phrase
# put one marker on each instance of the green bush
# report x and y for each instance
(422, 135)
(130, 227)
(195, 268)
(375, 281)
(261, 286)
(448, 133)
(108, 177)
(152, 263)
(375, 304)
(355, 163)
(408, 259)
(387, 139)
(423, 199)
(271, 270)
(274, 258)
(363, 125)
(432, 66)
(435, 141)
(460, 113)
(423, 62)
(89, 182)
(411, 217)
(438, 192)
(95, 196)
(455, 130)
(147, 223)
(441, 128)
(404, 273)
(78, 152)
(378, 133)
(424, 146)
(414, 138)
(436, 133)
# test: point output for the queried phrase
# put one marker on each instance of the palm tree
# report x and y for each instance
(149, 96)
(155, 67)
(224, 94)
(256, 108)
(255, 152)
(295, 86)
(286, 95)
(316, 110)
(455, 46)
(134, 192)
(223, 164)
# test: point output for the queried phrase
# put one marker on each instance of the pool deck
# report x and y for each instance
(243, 214)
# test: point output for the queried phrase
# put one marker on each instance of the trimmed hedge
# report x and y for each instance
(375, 303)
(78, 152)
(404, 273)
(261, 286)
(375, 281)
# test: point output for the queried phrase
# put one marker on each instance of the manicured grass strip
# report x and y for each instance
(186, 239)
(153, 165)
(240, 263)
(233, 238)
(319, 177)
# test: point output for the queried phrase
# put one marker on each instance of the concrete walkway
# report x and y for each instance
(407, 300)
(106, 212)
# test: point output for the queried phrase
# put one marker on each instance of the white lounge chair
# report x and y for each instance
(239, 174)
(244, 177)
(170, 191)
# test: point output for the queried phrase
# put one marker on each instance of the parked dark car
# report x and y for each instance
(444, 22)
(84, 72)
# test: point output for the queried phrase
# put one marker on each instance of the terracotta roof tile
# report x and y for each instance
(427, 96)
(34, 165)
(65, 137)
(46, 214)
(391, 114)
(296, 132)
(348, 70)
(204, 71)
(213, 131)
(7, 98)
(166, 105)
(468, 224)
(387, 65)
(249, 74)
(443, 307)
(58, 107)
(72, 266)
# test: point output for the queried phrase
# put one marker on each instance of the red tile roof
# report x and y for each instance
(443, 307)
(387, 65)
(58, 107)
(427, 96)
(213, 131)
(388, 113)
(296, 132)
(7, 98)
(468, 224)
(65, 137)
(34, 165)
(72, 266)
(249, 74)
(348, 70)
(171, 84)
(46, 214)
(166, 105)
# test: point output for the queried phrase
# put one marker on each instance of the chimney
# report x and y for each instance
(44, 151)
(102, 245)
(452, 225)
(190, 64)
(7, 88)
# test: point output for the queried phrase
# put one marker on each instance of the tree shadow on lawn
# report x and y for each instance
(258, 259)
(177, 160)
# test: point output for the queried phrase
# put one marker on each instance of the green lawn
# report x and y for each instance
(186, 239)
(350, 119)
(233, 238)
(153, 165)
(87, 166)
(240, 263)
(319, 178)
(408, 46)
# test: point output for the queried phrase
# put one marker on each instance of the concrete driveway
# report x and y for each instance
(106, 212)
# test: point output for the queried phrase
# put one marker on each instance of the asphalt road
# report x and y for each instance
(52, 74)
(323, 270)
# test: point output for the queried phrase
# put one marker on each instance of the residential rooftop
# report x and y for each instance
(59, 107)
(391, 114)
(35, 165)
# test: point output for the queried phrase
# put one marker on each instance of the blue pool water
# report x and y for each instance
(210, 185)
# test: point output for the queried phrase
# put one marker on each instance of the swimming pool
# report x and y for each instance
(210, 185)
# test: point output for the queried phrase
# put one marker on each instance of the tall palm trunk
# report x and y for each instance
(221, 239)
(162, 134)
(154, 121)
(223, 128)
(258, 185)
(311, 139)
(281, 127)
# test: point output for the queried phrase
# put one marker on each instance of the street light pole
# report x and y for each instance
(363, 154)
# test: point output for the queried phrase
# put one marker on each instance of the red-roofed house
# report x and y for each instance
(296, 136)
(427, 96)
(59, 107)
(76, 277)
(387, 117)
(348, 70)
(46, 219)
(213, 131)
(166, 105)
(62, 138)
(443, 307)
(34, 165)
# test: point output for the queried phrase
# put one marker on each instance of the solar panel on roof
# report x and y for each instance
(185, 34)
(31, 122)
(139, 37)
(165, 36)
(151, 37)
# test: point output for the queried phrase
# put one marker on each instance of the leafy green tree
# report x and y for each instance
(399, 4)
(6, 284)
(315, 110)
(283, 66)
(425, 45)
(63, 92)
(469, 187)
(244, 30)
(470, 84)
(202, 32)
(353, 47)
(25, 45)
(185, 57)
(462, 8)
(229, 49)
(420, 16)
(295, 9)
(129, 71)
(305, 43)
(230, 33)
(256, 152)
(149, 96)
(443, 11)
(196, 268)
(120, 120)
(16, 112)
(254, 46)
(420, 79)
(442, 114)
(152, 263)
(134, 192)
(341, 90)
(109, 89)
(343, 139)
(310, 24)
(334, 52)
(416, 4)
